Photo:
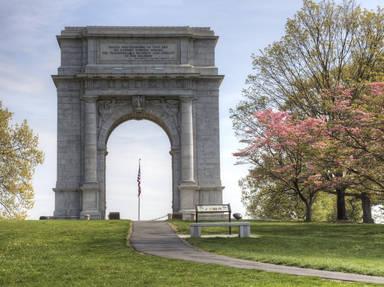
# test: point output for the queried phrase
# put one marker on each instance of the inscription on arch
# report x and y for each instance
(138, 52)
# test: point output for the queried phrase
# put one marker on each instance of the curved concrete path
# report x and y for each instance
(157, 238)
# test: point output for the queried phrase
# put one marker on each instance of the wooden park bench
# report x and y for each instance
(221, 209)
(244, 227)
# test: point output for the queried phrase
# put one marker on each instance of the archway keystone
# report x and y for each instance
(109, 75)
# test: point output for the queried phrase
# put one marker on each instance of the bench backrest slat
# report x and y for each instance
(213, 208)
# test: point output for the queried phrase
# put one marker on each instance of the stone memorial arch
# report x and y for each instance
(109, 75)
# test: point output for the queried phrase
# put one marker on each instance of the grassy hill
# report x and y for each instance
(95, 253)
(357, 248)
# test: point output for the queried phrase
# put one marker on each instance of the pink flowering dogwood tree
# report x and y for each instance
(340, 151)
(285, 150)
(358, 128)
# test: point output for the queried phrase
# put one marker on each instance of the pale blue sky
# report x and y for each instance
(29, 54)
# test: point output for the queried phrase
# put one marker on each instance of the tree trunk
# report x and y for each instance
(367, 208)
(341, 210)
(308, 212)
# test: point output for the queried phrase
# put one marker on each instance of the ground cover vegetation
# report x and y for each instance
(95, 253)
(338, 247)
(311, 119)
(19, 156)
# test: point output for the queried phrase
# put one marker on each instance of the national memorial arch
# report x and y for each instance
(109, 75)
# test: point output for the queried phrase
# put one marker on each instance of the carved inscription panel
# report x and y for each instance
(138, 52)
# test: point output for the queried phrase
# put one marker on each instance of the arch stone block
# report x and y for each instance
(109, 75)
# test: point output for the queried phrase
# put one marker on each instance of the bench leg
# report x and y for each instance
(195, 231)
(244, 231)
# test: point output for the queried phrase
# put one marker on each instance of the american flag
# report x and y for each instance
(139, 180)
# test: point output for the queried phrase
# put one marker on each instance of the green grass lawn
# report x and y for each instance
(341, 247)
(95, 253)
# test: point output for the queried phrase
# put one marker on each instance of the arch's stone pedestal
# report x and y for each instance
(109, 75)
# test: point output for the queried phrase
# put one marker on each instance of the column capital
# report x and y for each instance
(174, 150)
(103, 151)
(88, 99)
(187, 99)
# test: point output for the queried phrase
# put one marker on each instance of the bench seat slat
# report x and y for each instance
(244, 227)
(226, 224)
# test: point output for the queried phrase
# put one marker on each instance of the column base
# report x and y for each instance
(189, 195)
(90, 214)
(90, 201)
(188, 214)
(90, 186)
(67, 203)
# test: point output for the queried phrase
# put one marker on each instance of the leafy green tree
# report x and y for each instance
(325, 46)
(324, 208)
(268, 200)
(19, 156)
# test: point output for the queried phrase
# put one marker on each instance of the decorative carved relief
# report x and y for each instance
(168, 110)
(105, 109)
(138, 103)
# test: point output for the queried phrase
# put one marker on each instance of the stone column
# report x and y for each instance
(187, 187)
(187, 154)
(175, 153)
(90, 141)
(90, 187)
(101, 168)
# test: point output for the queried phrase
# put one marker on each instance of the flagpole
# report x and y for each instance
(138, 209)
(138, 190)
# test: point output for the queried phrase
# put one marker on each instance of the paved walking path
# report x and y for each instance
(157, 238)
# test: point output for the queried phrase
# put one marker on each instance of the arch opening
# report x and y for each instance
(127, 141)
(120, 119)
